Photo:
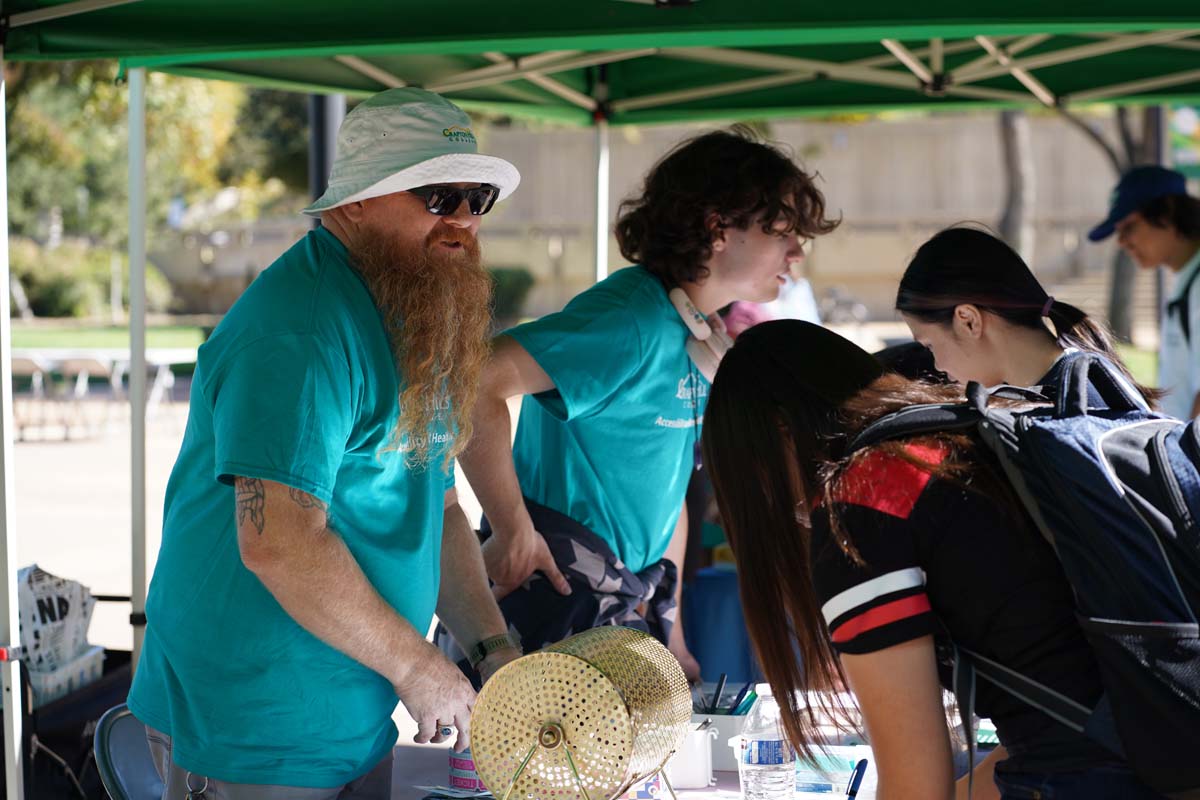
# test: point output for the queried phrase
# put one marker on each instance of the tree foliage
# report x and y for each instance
(271, 140)
(69, 136)
(68, 143)
(68, 174)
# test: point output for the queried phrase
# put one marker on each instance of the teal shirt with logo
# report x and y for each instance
(297, 385)
(612, 446)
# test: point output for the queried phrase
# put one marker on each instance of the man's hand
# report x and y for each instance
(511, 559)
(516, 550)
(437, 695)
(676, 552)
(679, 649)
(495, 660)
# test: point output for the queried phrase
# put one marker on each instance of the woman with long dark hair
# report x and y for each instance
(973, 301)
(856, 563)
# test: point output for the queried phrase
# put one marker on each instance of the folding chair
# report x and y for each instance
(34, 411)
(123, 757)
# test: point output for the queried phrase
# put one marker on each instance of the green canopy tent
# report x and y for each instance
(637, 63)
(595, 62)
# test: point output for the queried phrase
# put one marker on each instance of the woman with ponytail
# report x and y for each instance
(972, 300)
(850, 568)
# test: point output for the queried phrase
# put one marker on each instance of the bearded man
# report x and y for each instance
(311, 525)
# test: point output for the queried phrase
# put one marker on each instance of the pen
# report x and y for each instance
(699, 701)
(856, 778)
(716, 703)
(746, 703)
(737, 700)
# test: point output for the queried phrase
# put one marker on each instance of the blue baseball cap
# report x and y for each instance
(1138, 187)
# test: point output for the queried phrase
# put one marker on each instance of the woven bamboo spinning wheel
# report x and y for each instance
(585, 718)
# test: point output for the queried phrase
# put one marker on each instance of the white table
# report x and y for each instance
(108, 362)
(428, 765)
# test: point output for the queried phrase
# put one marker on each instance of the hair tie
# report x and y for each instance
(1047, 305)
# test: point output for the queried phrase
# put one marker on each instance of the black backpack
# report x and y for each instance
(1179, 307)
(1116, 492)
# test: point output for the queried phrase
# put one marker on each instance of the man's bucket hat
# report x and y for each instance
(1138, 187)
(404, 138)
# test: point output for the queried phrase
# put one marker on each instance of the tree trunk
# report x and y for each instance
(1138, 150)
(1120, 298)
(1120, 294)
(1016, 223)
(17, 292)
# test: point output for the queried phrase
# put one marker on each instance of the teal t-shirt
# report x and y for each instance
(612, 447)
(296, 385)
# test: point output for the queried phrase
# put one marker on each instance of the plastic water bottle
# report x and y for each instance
(767, 762)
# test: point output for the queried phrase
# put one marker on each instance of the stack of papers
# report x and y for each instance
(447, 792)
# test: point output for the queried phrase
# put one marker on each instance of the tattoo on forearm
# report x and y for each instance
(251, 503)
(304, 499)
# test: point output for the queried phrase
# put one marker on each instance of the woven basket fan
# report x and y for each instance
(585, 718)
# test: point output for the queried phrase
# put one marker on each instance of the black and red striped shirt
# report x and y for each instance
(939, 554)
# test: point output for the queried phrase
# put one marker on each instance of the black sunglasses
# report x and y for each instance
(443, 200)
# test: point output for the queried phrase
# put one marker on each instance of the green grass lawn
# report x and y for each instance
(103, 336)
(1142, 363)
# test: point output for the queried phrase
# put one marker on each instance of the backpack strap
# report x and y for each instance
(913, 421)
(938, 417)
(1086, 370)
(963, 681)
(1180, 306)
(1094, 723)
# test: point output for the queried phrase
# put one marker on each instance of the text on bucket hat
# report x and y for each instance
(404, 138)
(1136, 188)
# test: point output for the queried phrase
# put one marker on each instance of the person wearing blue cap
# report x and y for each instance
(1158, 223)
(311, 526)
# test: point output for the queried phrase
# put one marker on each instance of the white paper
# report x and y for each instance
(446, 791)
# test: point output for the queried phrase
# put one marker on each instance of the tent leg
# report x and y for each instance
(137, 349)
(602, 180)
(1160, 153)
(325, 115)
(10, 676)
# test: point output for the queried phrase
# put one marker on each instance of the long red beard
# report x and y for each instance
(436, 303)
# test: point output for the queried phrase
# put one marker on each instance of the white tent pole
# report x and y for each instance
(1133, 87)
(1185, 44)
(509, 65)
(937, 56)
(1025, 77)
(906, 57)
(63, 10)
(363, 67)
(137, 349)
(1069, 54)
(712, 90)
(772, 62)
(1012, 49)
(519, 73)
(10, 619)
(852, 72)
(602, 179)
(948, 49)
(789, 78)
(573, 96)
